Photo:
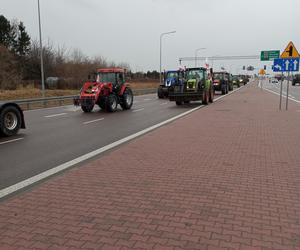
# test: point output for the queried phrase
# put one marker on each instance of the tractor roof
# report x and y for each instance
(111, 70)
(197, 68)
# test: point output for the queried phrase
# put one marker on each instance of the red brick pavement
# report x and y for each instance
(224, 177)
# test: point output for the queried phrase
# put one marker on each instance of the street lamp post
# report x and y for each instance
(41, 51)
(160, 52)
(196, 51)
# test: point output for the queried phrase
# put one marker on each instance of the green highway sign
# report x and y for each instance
(269, 55)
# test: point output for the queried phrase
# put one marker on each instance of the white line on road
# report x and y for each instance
(11, 189)
(97, 120)
(273, 92)
(147, 99)
(137, 110)
(164, 103)
(14, 140)
(55, 115)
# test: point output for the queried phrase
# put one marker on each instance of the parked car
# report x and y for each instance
(296, 80)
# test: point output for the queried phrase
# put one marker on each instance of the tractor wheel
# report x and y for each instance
(186, 102)
(127, 99)
(211, 96)
(223, 89)
(10, 121)
(178, 103)
(160, 93)
(111, 103)
(102, 103)
(87, 109)
(205, 98)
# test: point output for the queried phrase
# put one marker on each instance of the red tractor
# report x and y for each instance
(107, 90)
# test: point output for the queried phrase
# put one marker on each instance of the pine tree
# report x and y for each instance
(6, 35)
(23, 41)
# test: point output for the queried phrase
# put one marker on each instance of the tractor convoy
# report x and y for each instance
(108, 89)
(197, 84)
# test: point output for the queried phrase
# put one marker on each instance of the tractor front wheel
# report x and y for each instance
(102, 103)
(87, 109)
(111, 103)
(127, 99)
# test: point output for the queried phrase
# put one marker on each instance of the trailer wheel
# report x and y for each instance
(10, 121)
(111, 103)
(87, 109)
(178, 103)
(127, 99)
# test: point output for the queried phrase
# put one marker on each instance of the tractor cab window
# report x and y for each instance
(120, 78)
(218, 76)
(172, 75)
(192, 74)
(107, 77)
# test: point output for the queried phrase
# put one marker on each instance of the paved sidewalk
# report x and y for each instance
(225, 177)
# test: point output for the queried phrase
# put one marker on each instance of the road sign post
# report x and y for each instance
(288, 62)
(287, 92)
(281, 81)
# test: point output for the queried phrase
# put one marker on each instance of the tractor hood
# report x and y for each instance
(192, 81)
(170, 81)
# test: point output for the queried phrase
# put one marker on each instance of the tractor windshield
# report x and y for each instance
(172, 75)
(107, 77)
(195, 73)
(218, 76)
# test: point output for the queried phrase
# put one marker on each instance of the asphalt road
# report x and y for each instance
(294, 91)
(57, 135)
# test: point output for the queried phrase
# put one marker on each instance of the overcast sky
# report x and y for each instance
(129, 30)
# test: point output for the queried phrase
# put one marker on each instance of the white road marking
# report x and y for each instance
(273, 92)
(164, 103)
(97, 120)
(13, 188)
(73, 109)
(137, 110)
(14, 140)
(55, 115)
(147, 99)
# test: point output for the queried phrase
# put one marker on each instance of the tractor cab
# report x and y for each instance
(195, 78)
(108, 89)
(116, 76)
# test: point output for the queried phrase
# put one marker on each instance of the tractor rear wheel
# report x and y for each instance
(211, 95)
(87, 109)
(111, 103)
(205, 98)
(10, 121)
(127, 99)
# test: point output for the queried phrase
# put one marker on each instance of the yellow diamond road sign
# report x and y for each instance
(290, 51)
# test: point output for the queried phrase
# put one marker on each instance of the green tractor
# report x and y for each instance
(197, 87)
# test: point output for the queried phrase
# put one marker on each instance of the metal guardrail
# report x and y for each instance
(60, 100)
